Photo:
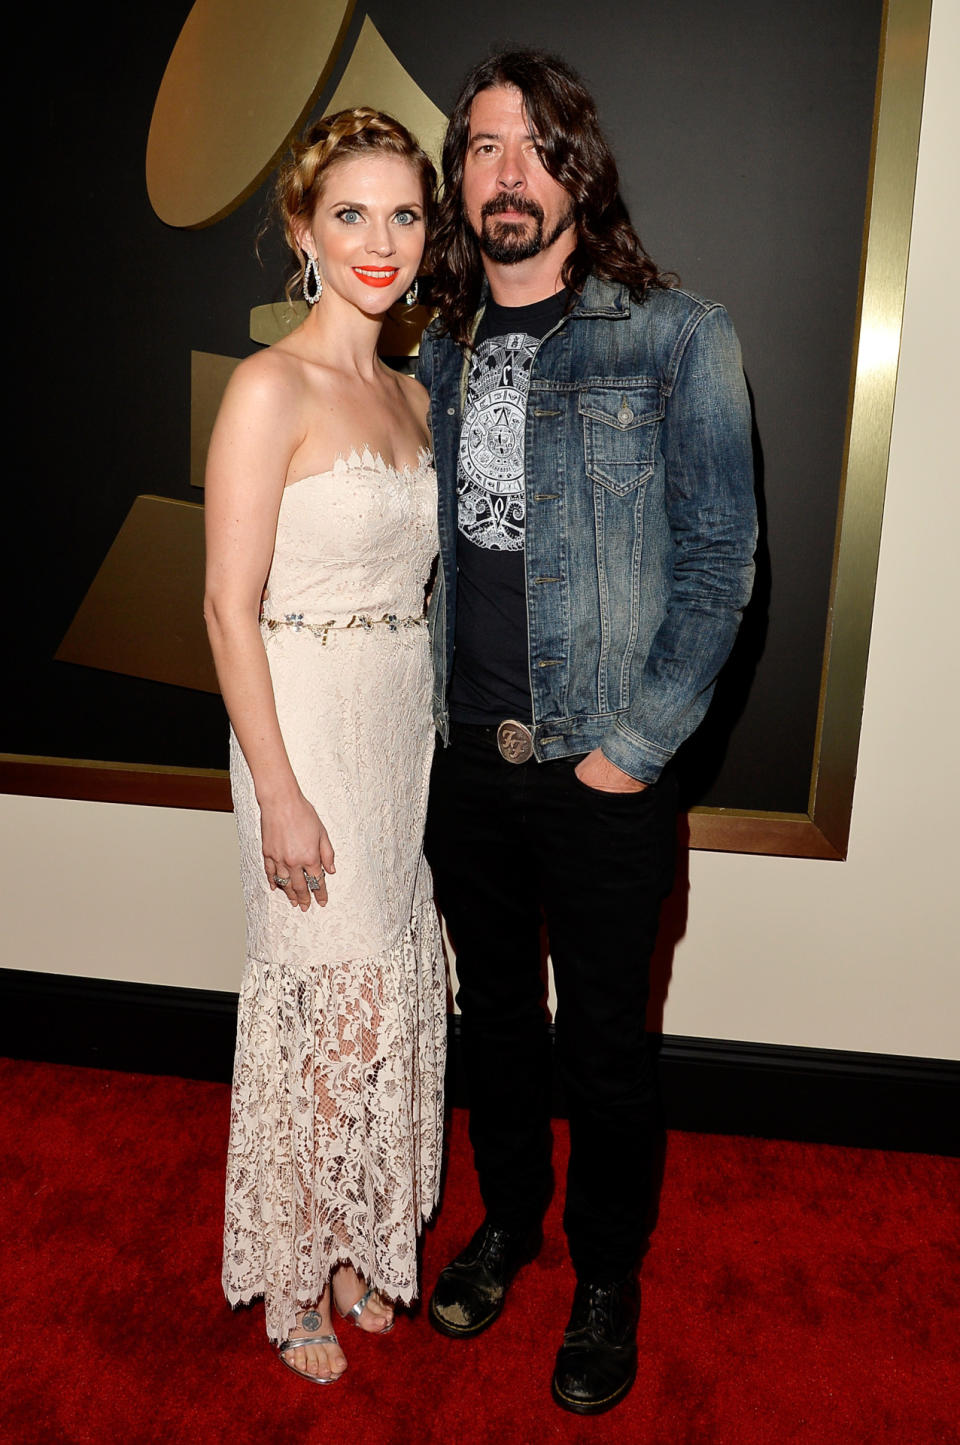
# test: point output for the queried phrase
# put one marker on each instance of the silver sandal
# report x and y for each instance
(309, 1340)
(356, 1310)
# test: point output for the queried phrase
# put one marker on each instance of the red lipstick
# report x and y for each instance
(376, 275)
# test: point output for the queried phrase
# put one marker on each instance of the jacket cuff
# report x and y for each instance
(637, 756)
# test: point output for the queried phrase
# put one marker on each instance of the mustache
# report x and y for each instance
(506, 202)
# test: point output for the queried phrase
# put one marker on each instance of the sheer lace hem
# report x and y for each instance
(336, 1124)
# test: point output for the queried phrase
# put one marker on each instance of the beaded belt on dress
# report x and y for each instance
(294, 620)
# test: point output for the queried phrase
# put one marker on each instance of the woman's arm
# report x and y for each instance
(256, 432)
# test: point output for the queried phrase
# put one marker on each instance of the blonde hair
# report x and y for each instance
(343, 136)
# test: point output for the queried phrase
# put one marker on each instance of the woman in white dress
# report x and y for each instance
(321, 532)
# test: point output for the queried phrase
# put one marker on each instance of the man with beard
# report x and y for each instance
(592, 438)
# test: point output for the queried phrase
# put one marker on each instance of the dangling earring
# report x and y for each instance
(411, 297)
(312, 282)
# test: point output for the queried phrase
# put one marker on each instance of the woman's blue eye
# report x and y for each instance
(405, 218)
(350, 217)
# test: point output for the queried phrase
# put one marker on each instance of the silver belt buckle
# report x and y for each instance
(515, 741)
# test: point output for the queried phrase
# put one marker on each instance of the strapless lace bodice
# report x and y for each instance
(357, 539)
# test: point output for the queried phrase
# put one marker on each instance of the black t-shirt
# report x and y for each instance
(491, 671)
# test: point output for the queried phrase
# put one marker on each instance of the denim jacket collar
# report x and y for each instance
(608, 299)
(602, 298)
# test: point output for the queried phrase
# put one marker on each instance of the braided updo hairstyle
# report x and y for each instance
(341, 137)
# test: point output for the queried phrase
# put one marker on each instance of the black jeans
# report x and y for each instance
(505, 842)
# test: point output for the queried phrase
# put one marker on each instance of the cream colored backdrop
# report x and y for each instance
(856, 955)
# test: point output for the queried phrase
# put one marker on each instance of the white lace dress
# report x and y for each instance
(336, 1119)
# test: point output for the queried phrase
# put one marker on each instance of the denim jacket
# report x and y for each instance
(640, 520)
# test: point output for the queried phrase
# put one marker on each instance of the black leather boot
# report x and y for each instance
(470, 1292)
(597, 1362)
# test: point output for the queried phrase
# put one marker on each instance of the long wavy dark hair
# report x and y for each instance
(562, 114)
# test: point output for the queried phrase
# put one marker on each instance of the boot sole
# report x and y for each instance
(591, 1407)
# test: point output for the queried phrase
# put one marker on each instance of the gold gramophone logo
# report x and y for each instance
(241, 81)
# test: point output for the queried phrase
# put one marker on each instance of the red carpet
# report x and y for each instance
(792, 1293)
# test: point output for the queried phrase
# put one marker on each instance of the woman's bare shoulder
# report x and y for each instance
(269, 371)
(267, 386)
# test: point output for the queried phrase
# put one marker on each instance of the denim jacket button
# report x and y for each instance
(624, 416)
(451, 411)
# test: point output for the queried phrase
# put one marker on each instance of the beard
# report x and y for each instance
(507, 242)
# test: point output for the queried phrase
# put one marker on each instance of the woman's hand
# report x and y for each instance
(297, 852)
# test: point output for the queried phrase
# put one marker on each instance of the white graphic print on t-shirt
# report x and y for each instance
(491, 502)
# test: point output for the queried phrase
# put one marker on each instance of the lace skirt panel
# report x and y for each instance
(336, 1123)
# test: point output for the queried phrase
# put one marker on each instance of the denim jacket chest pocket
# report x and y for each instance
(621, 425)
